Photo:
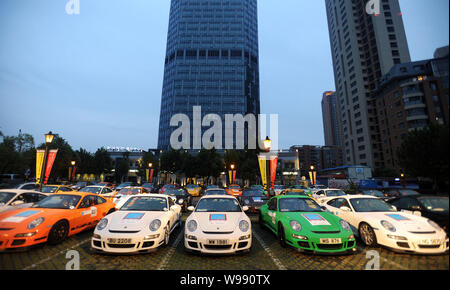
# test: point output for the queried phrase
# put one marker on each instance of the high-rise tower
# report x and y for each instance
(211, 61)
(367, 39)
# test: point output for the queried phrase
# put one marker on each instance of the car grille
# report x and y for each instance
(123, 232)
(326, 232)
(429, 246)
(121, 246)
(424, 233)
(6, 229)
(329, 247)
(217, 247)
(217, 233)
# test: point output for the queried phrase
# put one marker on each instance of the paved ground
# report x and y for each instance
(266, 254)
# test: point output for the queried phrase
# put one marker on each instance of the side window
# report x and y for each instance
(340, 202)
(28, 197)
(320, 192)
(273, 204)
(99, 200)
(87, 201)
(171, 203)
(29, 186)
(332, 202)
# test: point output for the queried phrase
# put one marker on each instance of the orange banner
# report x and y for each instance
(50, 160)
(273, 170)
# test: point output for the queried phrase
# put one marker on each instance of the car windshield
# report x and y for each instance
(215, 191)
(191, 186)
(148, 185)
(129, 191)
(94, 189)
(334, 192)
(61, 201)
(145, 203)
(124, 184)
(49, 189)
(376, 193)
(234, 187)
(170, 186)
(295, 192)
(293, 204)
(6, 196)
(253, 193)
(370, 205)
(218, 205)
(81, 184)
(438, 204)
(171, 191)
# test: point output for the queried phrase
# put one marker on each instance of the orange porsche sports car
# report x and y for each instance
(234, 189)
(52, 219)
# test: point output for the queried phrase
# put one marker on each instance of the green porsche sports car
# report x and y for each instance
(298, 221)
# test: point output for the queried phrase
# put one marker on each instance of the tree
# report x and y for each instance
(102, 161)
(424, 153)
(17, 153)
(63, 157)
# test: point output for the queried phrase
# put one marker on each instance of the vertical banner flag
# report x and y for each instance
(73, 172)
(314, 175)
(234, 175)
(50, 159)
(39, 161)
(147, 171)
(70, 172)
(311, 177)
(151, 174)
(273, 170)
(262, 168)
(230, 177)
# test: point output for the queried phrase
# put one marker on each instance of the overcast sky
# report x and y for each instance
(96, 78)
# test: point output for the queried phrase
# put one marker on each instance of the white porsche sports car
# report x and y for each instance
(18, 198)
(142, 224)
(218, 225)
(379, 223)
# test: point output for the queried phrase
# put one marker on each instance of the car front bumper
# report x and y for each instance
(109, 242)
(417, 243)
(201, 243)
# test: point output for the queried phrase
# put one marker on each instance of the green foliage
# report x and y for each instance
(424, 153)
(17, 154)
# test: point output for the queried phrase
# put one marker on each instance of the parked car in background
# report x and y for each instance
(166, 186)
(56, 188)
(121, 196)
(97, 189)
(430, 206)
(396, 192)
(27, 186)
(193, 189)
(183, 198)
(278, 189)
(373, 192)
(319, 194)
(150, 187)
(234, 190)
(215, 191)
(122, 185)
(19, 198)
(81, 184)
(253, 199)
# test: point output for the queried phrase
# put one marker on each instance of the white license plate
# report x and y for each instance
(218, 242)
(430, 242)
(330, 241)
(119, 241)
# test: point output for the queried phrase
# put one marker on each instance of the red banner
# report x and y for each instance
(50, 159)
(151, 175)
(273, 170)
(234, 175)
(73, 172)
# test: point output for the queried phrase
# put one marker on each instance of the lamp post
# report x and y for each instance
(71, 168)
(312, 174)
(48, 140)
(149, 170)
(232, 167)
(267, 145)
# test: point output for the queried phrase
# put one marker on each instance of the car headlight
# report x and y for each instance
(345, 225)
(434, 225)
(295, 225)
(154, 225)
(192, 225)
(244, 225)
(102, 224)
(387, 225)
(35, 223)
(180, 201)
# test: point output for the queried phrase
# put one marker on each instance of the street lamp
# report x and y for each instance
(232, 173)
(312, 174)
(71, 169)
(150, 172)
(48, 140)
(267, 145)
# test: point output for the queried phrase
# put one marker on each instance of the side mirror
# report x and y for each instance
(190, 208)
(323, 208)
(345, 208)
(245, 208)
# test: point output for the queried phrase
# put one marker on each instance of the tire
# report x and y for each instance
(58, 232)
(166, 236)
(281, 236)
(367, 235)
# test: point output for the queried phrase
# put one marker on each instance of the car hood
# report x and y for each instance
(23, 216)
(123, 220)
(315, 221)
(400, 220)
(219, 221)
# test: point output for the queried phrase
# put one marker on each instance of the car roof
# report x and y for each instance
(13, 190)
(218, 196)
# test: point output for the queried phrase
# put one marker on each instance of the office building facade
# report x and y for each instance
(211, 62)
(331, 126)
(364, 47)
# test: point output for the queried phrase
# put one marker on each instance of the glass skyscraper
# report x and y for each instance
(211, 61)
